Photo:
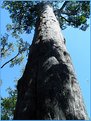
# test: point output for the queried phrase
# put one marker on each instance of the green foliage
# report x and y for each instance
(16, 61)
(22, 46)
(23, 50)
(24, 15)
(8, 105)
(6, 47)
(76, 14)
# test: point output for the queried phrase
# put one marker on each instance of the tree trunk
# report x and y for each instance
(48, 88)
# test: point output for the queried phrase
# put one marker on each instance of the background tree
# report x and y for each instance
(75, 19)
(8, 105)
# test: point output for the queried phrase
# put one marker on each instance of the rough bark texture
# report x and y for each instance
(48, 88)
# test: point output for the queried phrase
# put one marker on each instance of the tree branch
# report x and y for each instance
(9, 60)
(61, 9)
(65, 3)
(65, 19)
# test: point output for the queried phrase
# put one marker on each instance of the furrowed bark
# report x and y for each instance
(49, 88)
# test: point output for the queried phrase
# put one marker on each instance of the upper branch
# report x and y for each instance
(58, 11)
(61, 9)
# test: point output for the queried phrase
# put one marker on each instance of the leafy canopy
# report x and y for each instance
(8, 105)
(8, 48)
(24, 15)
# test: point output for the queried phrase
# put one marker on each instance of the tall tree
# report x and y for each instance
(48, 88)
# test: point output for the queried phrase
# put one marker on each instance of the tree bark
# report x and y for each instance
(49, 88)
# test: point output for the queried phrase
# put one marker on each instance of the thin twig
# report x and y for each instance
(65, 19)
(9, 60)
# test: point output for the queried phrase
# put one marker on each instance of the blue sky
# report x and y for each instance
(78, 45)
